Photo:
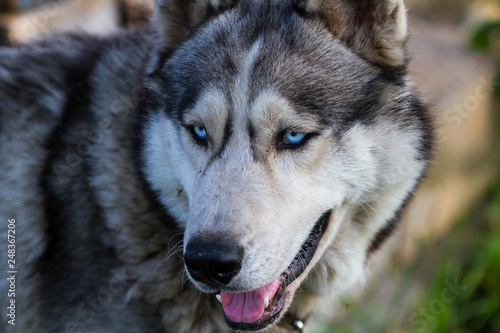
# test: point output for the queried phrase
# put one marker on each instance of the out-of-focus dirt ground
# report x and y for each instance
(448, 243)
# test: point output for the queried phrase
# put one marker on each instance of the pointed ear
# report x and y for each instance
(176, 19)
(374, 29)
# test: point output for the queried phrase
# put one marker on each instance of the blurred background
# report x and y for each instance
(442, 271)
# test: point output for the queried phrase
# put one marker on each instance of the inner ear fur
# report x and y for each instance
(374, 29)
(175, 19)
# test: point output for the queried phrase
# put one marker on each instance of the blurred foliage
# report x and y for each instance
(477, 268)
(483, 37)
(486, 38)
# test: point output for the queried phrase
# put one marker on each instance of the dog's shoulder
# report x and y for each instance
(38, 78)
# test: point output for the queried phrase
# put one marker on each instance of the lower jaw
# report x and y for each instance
(277, 303)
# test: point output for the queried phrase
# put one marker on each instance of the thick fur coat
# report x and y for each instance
(119, 152)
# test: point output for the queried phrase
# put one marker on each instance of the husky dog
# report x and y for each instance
(252, 152)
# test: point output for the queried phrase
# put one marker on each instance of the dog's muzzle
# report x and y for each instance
(217, 261)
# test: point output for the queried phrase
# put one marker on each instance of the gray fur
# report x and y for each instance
(96, 168)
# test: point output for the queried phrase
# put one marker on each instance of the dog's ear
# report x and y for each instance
(176, 19)
(375, 29)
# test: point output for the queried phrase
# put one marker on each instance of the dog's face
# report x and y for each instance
(269, 131)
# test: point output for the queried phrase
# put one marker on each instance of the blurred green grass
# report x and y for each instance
(486, 38)
(472, 257)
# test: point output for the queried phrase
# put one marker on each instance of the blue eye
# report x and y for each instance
(200, 132)
(294, 138)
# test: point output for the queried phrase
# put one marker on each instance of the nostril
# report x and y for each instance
(194, 268)
(223, 272)
(215, 262)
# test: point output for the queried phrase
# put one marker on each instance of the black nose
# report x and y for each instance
(215, 262)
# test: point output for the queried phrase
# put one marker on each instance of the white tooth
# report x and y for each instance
(219, 298)
(266, 302)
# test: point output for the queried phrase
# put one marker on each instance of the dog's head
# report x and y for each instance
(283, 136)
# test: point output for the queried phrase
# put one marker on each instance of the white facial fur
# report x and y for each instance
(268, 200)
(285, 193)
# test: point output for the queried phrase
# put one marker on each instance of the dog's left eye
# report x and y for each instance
(294, 138)
(200, 132)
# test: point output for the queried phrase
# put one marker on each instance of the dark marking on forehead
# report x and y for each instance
(306, 82)
(228, 132)
(314, 103)
(184, 101)
(253, 142)
(203, 62)
(229, 66)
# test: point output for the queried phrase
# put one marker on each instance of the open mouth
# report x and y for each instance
(255, 310)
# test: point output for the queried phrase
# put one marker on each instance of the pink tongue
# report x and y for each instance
(248, 307)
